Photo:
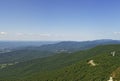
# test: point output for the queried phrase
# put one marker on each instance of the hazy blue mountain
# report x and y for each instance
(9, 46)
(28, 53)
(18, 44)
(71, 46)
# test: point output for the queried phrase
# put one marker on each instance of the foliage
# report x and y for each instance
(67, 67)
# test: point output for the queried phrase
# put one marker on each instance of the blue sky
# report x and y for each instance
(59, 19)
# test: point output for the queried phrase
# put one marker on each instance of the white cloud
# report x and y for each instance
(19, 34)
(33, 34)
(44, 35)
(24, 36)
(117, 33)
(3, 33)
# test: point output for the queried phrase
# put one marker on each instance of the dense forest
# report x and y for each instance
(69, 67)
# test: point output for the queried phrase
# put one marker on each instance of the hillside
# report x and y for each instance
(29, 53)
(106, 64)
(68, 67)
(23, 55)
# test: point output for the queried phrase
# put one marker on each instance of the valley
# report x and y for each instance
(68, 66)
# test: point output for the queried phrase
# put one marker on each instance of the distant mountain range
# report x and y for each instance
(71, 46)
(33, 52)
(19, 44)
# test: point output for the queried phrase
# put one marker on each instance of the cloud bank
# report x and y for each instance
(117, 33)
(3, 33)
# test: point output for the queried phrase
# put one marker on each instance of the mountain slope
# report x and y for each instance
(106, 64)
(68, 67)
(23, 55)
(81, 71)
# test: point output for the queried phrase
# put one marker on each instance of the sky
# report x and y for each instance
(52, 20)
